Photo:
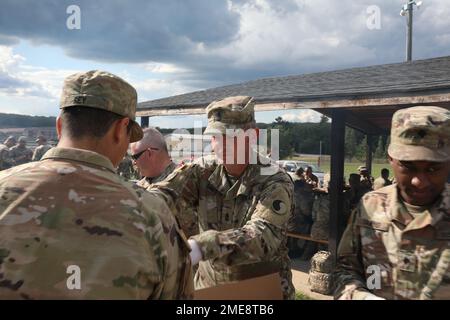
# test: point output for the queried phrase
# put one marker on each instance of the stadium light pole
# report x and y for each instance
(407, 10)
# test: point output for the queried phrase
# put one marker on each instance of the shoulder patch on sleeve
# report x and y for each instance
(275, 206)
(279, 207)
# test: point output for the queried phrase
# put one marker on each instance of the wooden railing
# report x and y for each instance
(305, 237)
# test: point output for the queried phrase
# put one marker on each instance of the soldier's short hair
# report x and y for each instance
(153, 138)
(81, 122)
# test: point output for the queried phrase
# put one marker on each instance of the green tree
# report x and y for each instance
(350, 143)
(379, 151)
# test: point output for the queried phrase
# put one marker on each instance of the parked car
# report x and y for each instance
(292, 165)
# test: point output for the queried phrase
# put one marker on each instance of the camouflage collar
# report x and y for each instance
(430, 217)
(80, 155)
(218, 179)
(164, 174)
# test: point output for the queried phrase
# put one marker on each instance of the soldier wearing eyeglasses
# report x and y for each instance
(152, 158)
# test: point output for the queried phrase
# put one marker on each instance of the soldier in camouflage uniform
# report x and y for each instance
(20, 153)
(352, 196)
(126, 168)
(400, 234)
(366, 179)
(151, 157)
(6, 161)
(71, 211)
(243, 206)
(41, 149)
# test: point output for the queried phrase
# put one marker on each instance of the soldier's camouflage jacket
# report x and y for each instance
(127, 170)
(242, 223)
(71, 210)
(188, 222)
(40, 151)
(367, 183)
(147, 182)
(411, 253)
(20, 154)
(6, 161)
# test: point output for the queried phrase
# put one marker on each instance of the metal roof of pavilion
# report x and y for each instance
(370, 94)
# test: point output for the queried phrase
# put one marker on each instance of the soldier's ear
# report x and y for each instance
(120, 130)
(59, 127)
(391, 161)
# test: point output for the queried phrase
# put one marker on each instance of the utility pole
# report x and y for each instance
(410, 26)
(407, 10)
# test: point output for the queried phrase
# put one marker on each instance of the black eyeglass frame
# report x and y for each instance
(136, 156)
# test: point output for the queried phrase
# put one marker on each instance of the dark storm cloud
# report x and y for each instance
(210, 40)
(122, 31)
(8, 41)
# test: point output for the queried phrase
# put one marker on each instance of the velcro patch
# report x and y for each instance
(275, 207)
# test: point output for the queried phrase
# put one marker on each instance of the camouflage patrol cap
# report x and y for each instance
(230, 113)
(420, 134)
(22, 139)
(362, 168)
(40, 137)
(102, 90)
(10, 138)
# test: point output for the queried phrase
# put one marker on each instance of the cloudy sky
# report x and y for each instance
(171, 47)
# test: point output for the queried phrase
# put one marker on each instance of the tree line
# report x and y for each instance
(306, 138)
(294, 137)
(8, 120)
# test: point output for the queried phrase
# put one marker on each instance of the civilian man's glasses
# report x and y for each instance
(136, 156)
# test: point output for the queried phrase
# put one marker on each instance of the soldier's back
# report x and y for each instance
(71, 212)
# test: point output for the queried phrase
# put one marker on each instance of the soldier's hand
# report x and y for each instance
(196, 253)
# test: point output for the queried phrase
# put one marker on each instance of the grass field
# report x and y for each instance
(350, 167)
(301, 296)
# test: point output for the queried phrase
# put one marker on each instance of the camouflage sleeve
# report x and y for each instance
(261, 236)
(180, 190)
(349, 272)
(172, 251)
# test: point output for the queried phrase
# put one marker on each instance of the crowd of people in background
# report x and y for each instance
(14, 151)
(311, 211)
